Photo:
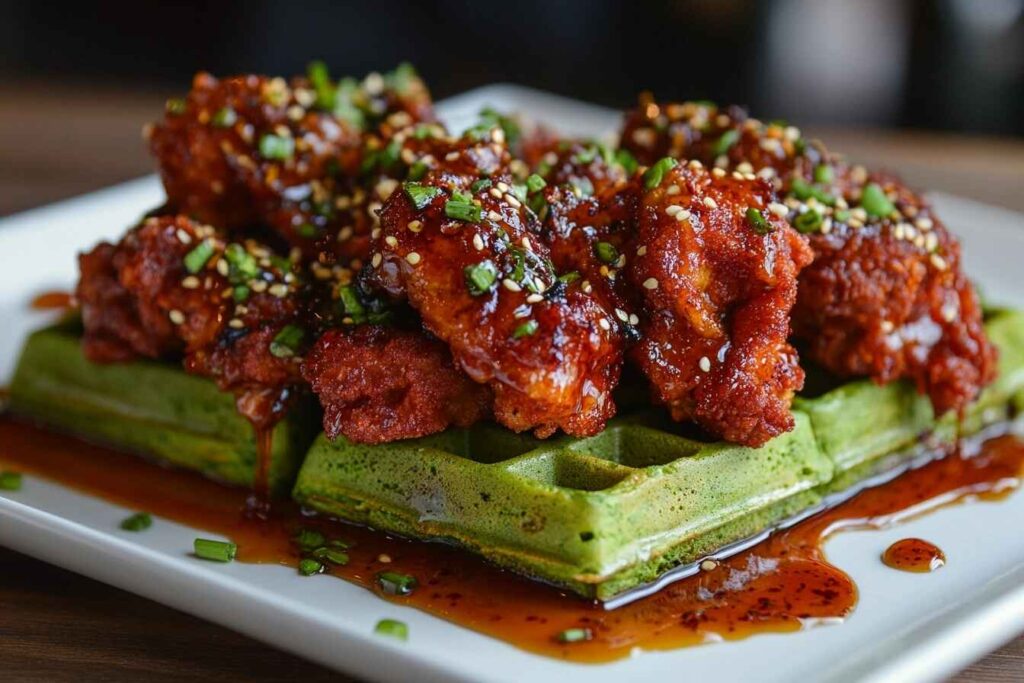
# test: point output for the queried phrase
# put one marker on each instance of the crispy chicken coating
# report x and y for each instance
(462, 248)
(885, 296)
(380, 384)
(255, 151)
(718, 275)
(174, 287)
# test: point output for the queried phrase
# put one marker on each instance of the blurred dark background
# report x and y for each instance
(947, 64)
(933, 90)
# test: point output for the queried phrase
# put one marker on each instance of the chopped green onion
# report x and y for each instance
(423, 131)
(420, 195)
(583, 185)
(803, 190)
(389, 156)
(725, 143)
(351, 304)
(654, 175)
(240, 293)
(332, 555)
(480, 277)
(243, 264)
(519, 191)
(606, 252)
(276, 147)
(527, 329)
(570, 277)
(394, 583)
(286, 342)
(224, 118)
(309, 539)
(418, 170)
(585, 156)
(875, 202)
(140, 521)
(339, 543)
(480, 185)
(320, 79)
(808, 221)
(10, 481)
(574, 635)
(197, 258)
(758, 222)
(461, 208)
(307, 230)
(402, 78)
(824, 174)
(392, 628)
(308, 566)
(215, 551)
(535, 183)
(176, 106)
(626, 160)
(841, 216)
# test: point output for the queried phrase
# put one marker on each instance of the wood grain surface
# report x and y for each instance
(56, 142)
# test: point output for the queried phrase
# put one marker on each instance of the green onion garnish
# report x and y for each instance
(392, 628)
(758, 222)
(215, 551)
(527, 329)
(654, 175)
(224, 118)
(725, 143)
(243, 264)
(420, 195)
(286, 342)
(841, 216)
(808, 221)
(583, 185)
(309, 539)
(320, 79)
(480, 277)
(332, 555)
(574, 635)
(535, 183)
(394, 583)
(803, 190)
(307, 230)
(480, 185)
(875, 202)
(308, 566)
(10, 481)
(418, 170)
(824, 174)
(351, 305)
(461, 208)
(176, 106)
(276, 147)
(626, 160)
(197, 258)
(570, 277)
(606, 252)
(423, 131)
(240, 294)
(140, 521)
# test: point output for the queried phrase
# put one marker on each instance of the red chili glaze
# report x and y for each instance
(914, 555)
(783, 584)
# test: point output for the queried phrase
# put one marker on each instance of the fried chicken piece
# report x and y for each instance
(380, 384)
(463, 250)
(885, 296)
(252, 150)
(174, 287)
(718, 275)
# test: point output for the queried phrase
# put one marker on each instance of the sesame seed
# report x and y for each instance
(261, 285)
(511, 285)
(634, 319)
(495, 192)
(586, 287)
(493, 215)
(621, 315)
(478, 242)
(384, 558)
(526, 243)
(375, 233)
(451, 156)
(190, 282)
(183, 236)
(176, 316)
(391, 241)
(375, 261)
(236, 324)
(708, 565)
(605, 325)
(415, 226)
(778, 209)
(887, 327)
(717, 171)
(280, 290)
(345, 234)
(705, 364)
(650, 283)
(683, 215)
(672, 189)
(534, 298)
(502, 186)
(673, 209)
(939, 262)
(222, 267)
(924, 223)
(513, 201)
(931, 241)
(641, 251)
(413, 258)
(744, 167)
(710, 203)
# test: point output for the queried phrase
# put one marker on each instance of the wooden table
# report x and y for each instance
(56, 625)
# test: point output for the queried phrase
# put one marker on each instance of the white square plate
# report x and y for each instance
(906, 627)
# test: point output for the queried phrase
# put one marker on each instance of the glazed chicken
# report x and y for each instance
(293, 156)
(174, 287)
(885, 296)
(463, 250)
(717, 272)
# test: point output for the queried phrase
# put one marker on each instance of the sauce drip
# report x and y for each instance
(55, 300)
(914, 555)
(782, 584)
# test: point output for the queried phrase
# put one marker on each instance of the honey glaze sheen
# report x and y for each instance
(781, 584)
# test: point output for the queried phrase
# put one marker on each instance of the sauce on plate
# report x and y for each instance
(783, 584)
(914, 555)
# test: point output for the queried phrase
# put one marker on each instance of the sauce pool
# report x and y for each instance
(914, 555)
(783, 584)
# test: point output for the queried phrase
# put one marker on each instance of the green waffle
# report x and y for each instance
(606, 514)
